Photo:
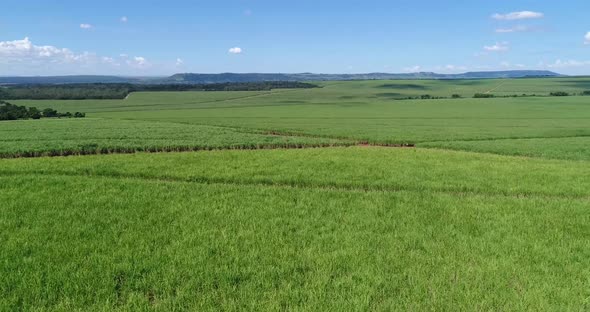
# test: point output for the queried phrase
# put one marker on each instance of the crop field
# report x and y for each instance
(62, 137)
(345, 197)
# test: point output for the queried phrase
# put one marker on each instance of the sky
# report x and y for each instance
(148, 38)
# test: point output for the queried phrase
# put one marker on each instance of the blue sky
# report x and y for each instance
(160, 38)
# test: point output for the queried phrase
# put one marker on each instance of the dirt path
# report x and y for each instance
(496, 87)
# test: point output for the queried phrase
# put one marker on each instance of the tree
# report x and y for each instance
(483, 95)
(34, 113)
(49, 112)
(559, 93)
(12, 112)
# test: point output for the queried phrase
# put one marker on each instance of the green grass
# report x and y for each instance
(461, 222)
(142, 101)
(356, 110)
(572, 148)
(365, 168)
(397, 121)
(139, 232)
(54, 137)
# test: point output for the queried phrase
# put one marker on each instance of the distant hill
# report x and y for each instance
(232, 77)
(190, 78)
(507, 74)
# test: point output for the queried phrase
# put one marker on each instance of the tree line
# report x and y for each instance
(14, 112)
(490, 95)
(121, 90)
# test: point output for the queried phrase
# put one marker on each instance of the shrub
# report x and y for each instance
(49, 112)
(456, 96)
(34, 113)
(483, 95)
(559, 93)
(13, 112)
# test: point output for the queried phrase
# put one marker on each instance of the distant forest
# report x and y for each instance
(121, 90)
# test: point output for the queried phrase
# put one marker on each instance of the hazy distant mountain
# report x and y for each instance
(231, 77)
(257, 77)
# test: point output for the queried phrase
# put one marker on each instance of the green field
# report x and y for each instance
(230, 211)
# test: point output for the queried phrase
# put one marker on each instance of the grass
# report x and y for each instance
(571, 148)
(355, 110)
(144, 234)
(358, 168)
(397, 121)
(488, 212)
(62, 137)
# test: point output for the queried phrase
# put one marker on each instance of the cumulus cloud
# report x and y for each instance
(568, 64)
(179, 62)
(124, 19)
(412, 69)
(451, 68)
(235, 50)
(587, 38)
(518, 15)
(509, 65)
(498, 47)
(24, 57)
(85, 26)
(22, 50)
(518, 28)
(137, 62)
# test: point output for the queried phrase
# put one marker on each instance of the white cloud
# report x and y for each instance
(179, 62)
(450, 69)
(124, 19)
(509, 65)
(22, 50)
(587, 38)
(568, 63)
(498, 47)
(23, 57)
(412, 69)
(518, 28)
(518, 15)
(85, 26)
(235, 50)
(139, 62)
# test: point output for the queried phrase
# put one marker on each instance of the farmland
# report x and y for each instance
(345, 197)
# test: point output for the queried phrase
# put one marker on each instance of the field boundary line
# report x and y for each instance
(496, 87)
(185, 149)
(450, 149)
(305, 186)
(506, 139)
(269, 93)
(173, 149)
